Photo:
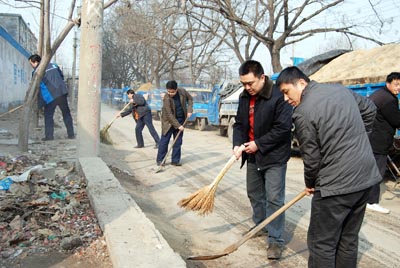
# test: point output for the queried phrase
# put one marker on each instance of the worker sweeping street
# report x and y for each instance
(263, 125)
(177, 107)
(142, 115)
(331, 125)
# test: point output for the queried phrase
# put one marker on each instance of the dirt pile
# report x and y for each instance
(361, 66)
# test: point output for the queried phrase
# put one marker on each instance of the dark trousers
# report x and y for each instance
(49, 110)
(381, 160)
(176, 149)
(333, 231)
(145, 120)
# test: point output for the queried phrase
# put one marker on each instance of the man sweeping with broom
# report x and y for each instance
(141, 113)
(263, 125)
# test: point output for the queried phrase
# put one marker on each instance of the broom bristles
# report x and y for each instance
(202, 201)
(105, 136)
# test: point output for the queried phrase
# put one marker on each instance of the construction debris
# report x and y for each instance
(43, 211)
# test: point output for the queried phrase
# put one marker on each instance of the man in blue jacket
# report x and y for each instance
(263, 125)
(53, 92)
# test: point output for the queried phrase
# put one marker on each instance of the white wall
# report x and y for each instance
(15, 72)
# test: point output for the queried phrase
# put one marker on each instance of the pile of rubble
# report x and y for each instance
(43, 210)
(361, 66)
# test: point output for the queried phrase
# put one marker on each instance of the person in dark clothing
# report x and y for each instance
(141, 113)
(177, 106)
(263, 125)
(386, 121)
(332, 125)
(53, 92)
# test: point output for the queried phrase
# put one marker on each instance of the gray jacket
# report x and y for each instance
(331, 125)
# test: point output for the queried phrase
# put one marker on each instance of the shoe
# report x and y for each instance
(71, 137)
(176, 164)
(159, 164)
(156, 146)
(138, 146)
(262, 232)
(47, 139)
(274, 251)
(377, 208)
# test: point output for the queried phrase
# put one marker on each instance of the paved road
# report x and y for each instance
(204, 154)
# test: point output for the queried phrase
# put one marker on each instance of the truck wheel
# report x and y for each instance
(230, 128)
(201, 124)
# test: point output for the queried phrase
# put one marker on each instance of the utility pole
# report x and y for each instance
(88, 125)
(74, 71)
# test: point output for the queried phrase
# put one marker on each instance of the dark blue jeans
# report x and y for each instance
(145, 120)
(163, 146)
(333, 231)
(49, 110)
(266, 191)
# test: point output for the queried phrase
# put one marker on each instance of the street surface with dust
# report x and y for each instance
(204, 153)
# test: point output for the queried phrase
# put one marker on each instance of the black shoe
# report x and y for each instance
(138, 146)
(71, 137)
(47, 139)
(176, 164)
(156, 146)
(274, 251)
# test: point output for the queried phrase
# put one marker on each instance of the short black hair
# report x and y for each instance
(130, 91)
(251, 66)
(393, 76)
(35, 58)
(171, 85)
(291, 75)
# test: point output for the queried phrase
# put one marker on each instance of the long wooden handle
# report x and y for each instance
(227, 166)
(173, 143)
(251, 233)
(12, 110)
(262, 224)
(112, 121)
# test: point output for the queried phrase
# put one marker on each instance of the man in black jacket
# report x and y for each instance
(141, 113)
(331, 125)
(385, 124)
(263, 125)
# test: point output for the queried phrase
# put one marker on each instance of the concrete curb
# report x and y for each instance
(132, 239)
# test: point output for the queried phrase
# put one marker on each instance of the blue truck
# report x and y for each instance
(201, 98)
(224, 101)
(155, 102)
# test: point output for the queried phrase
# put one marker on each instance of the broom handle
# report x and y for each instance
(112, 121)
(10, 111)
(227, 166)
(173, 143)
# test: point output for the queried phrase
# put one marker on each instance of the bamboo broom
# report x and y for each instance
(104, 135)
(202, 201)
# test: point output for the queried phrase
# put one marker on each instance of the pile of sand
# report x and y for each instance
(361, 66)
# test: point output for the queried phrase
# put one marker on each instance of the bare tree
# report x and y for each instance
(49, 49)
(277, 24)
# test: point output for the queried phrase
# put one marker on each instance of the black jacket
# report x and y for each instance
(331, 125)
(272, 126)
(139, 105)
(386, 121)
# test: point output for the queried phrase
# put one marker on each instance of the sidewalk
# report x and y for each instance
(132, 239)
